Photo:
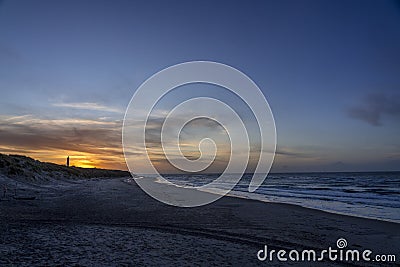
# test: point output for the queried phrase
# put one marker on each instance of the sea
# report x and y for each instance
(373, 195)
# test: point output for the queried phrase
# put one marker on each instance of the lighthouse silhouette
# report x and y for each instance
(68, 161)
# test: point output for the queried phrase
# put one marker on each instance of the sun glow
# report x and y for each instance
(82, 162)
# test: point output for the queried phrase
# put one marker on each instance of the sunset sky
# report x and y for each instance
(329, 69)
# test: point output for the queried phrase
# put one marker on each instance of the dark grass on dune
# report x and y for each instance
(31, 169)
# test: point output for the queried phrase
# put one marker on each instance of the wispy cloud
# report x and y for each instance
(36, 121)
(88, 106)
(53, 140)
(374, 107)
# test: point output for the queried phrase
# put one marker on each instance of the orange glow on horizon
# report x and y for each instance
(82, 163)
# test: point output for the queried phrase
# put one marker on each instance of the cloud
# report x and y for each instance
(96, 141)
(190, 138)
(288, 153)
(88, 106)
(374, 107)
(54, 139)
(35, 121)
(295, 152)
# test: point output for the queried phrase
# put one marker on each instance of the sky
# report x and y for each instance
(329, 70)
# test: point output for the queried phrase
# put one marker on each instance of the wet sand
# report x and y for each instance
(109, 222)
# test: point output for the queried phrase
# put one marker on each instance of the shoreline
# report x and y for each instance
(242, 195)
(311, 208)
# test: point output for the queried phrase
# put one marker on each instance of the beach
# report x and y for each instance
(107, 221)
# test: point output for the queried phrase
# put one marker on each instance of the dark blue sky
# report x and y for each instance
(329, 69)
